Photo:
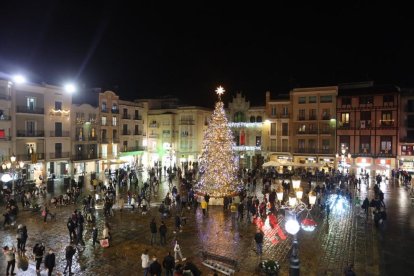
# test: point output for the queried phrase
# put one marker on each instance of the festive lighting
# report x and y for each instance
(292, 226)
(218, 163)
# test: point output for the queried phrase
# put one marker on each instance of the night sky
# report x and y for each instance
(187, 50)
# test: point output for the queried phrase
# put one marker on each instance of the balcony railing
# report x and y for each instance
(57, 155)
(78, 157)
(28, 157)
(59, 134)
(25, 133)
(25, 109)
(129, 149)
(5, 118)
(186, 122)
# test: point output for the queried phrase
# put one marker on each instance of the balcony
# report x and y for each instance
(126, 132)
(139, 117)
(59, 134)
(25, 133)
(78, 157)
(28, 157)
(25, 109)
(58, 155)
(126, 117)
(186, 122)
(5, 118)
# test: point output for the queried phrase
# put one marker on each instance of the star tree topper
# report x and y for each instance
(220, 90)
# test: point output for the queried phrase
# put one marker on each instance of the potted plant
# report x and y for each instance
(270, 267)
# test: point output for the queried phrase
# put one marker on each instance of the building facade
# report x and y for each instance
(368, 120)
(313, 125)
(250, 128)
(278, 113)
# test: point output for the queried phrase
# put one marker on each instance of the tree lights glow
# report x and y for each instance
(218, 163)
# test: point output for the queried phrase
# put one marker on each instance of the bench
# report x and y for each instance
(222, 264)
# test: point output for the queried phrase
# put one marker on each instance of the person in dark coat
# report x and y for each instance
(155, 268)
(50, 262)
(168, 264)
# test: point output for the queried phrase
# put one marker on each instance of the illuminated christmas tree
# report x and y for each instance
(218, 163)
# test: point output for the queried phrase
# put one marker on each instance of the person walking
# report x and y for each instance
(153, 228)
(155, 267)
(50, 262)
(145, 263)
(10, 256)
(94, 236)
(38, 251)
(258, 237)
(177, 252)
(163, 233)
(168, 263)
(69, 252)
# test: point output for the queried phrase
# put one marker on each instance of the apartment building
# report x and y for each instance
(313, 125)
(368, 120)
(406, 131)
(84, 135)
(133, 132)
(109, 130)
(278, 114)
(249, 130)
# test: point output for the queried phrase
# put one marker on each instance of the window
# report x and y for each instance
(346, 101)
(58, 105)
(365, 144)
(258, 141)
(273, 110)
(345, 141)
(326, 99)
(312, 114)
(312, 99)
(366, 100)
(386, 118)
(103, 119)
(259, 119)
(114, 120)
(326, 114)
(386, 144)
(302, 100)
(345, 119)
(273, 129)
(285, 129)
(388, 99)
(273, 145)
(252, 119)
(301, 114)
(31, 103)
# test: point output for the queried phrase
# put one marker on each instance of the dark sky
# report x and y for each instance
(187, 50)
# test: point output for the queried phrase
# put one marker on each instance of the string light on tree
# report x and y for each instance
(218, 162)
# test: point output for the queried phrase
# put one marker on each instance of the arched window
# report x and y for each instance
(239, 117)
(252, 119)
(259, 119)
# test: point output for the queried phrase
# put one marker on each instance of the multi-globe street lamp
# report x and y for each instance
(293, 207)
(12, 166)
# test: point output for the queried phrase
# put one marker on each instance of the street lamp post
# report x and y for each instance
(13, 166)
(293, 208)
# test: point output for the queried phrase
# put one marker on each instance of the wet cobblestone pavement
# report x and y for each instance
(345, 238)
